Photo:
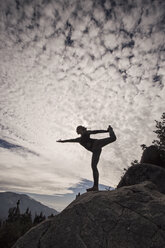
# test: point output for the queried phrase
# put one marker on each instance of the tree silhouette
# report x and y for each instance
(38, 218)
(160, 141)
(160, 132)
(15, 226)
(14, 213)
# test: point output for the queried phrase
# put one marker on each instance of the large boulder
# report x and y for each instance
(128, 217)
(139, 173)
(153, 155)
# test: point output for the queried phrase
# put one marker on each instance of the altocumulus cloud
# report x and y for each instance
(65, 63)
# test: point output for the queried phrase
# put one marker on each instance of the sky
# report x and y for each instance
(68, 63)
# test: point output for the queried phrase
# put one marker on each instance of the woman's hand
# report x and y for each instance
(61, 141)
(109, 128)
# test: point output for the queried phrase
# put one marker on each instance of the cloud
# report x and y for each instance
(93, 63)
(13, 147)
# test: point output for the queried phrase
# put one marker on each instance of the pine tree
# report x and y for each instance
(160, 141)
(160, 131)
(38, 218)
(15, 226)
(26, 221)
(14, 213)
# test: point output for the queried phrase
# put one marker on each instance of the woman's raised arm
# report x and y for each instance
(69, 140)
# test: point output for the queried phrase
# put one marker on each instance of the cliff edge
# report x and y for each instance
(131, 216)
(128, 217)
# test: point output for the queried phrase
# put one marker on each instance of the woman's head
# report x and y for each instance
(80, 129)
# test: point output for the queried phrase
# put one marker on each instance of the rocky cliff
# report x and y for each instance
(131, 216)
(139, 173)
(128, 217)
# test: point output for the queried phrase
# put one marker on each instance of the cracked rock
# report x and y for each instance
(128, 217)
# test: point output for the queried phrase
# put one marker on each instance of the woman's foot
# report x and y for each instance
(109, 128)
(94, 188)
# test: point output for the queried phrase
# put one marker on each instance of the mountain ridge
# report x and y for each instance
(9, 200)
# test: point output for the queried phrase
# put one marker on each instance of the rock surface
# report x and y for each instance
(144, 172)
(153, 155)
(128, 217)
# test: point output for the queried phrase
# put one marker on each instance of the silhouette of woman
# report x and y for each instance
(94, 146)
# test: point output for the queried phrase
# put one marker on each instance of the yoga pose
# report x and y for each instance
(94, 146)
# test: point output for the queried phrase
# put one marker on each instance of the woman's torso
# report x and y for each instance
(86, 141)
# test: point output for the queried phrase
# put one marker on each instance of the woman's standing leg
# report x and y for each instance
(95, 160)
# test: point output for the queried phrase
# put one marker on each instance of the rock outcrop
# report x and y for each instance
(144, 172)
(128, 217)
(151, 168)
(153, 155)
(132, 216)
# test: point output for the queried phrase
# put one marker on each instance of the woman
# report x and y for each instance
(94, 146)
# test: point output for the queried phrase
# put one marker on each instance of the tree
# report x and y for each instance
(160, 131)
(14, 213)
(15, 226)
(26, 221)
(160, 141)
(38, 218)
(143, 146)
(51, 216)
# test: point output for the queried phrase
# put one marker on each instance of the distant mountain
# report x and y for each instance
(9, 200)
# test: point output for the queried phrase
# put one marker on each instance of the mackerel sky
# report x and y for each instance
(77, 62)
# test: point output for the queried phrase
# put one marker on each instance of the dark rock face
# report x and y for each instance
(152, 155)
(128, 217)
(132, 216)
(144, 172)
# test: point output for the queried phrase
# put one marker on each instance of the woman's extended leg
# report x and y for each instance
(95, 160)
(99, 143)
